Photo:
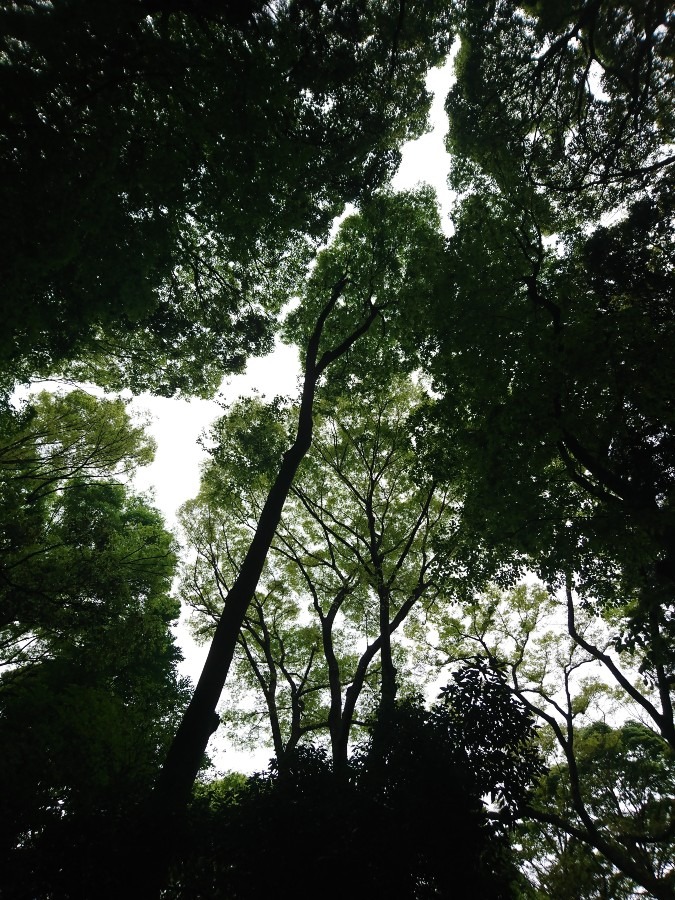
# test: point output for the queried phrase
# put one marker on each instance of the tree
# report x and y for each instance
(163, 163)
(570, 100)
(82, 734)
(551, 363)
(276, 660)
(73, 540)
(606, 803)
(355, 282)
(350, 564)
(551, 335)
(628, 779)
(89, 692)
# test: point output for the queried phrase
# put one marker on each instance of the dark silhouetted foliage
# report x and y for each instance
(406, 821)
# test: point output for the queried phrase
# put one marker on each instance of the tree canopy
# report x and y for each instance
(89, 691)
(351, 565)
(552, 335)
(473, 486)
(553, 378)
(159, 160)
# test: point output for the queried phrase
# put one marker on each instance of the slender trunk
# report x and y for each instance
(327, 620)
(172, 791)
(200, 719)
(162, 824)
(335, 689)
(354, 691)
(381, 734)
(388, 684)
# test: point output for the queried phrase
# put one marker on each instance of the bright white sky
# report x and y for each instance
(176, 425)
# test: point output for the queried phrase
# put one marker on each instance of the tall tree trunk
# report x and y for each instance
(174, 785)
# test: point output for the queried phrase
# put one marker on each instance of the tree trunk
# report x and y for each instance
(162, 822)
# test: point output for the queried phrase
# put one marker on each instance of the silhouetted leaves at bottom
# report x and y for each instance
(408, 822)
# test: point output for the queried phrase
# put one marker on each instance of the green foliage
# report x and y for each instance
(246, 445)
(628, 776)
(350, 563)
(405, 828)
(565, 102)
(600, 819)
(553, 329)
(75, 544)
(89, 692)
(162, 162)
(496, 732)
(389, 253)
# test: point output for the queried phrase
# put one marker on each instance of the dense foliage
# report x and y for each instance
(159, 160)
(89, 692)
(383, 817)
(551, 356)
(475, 409)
